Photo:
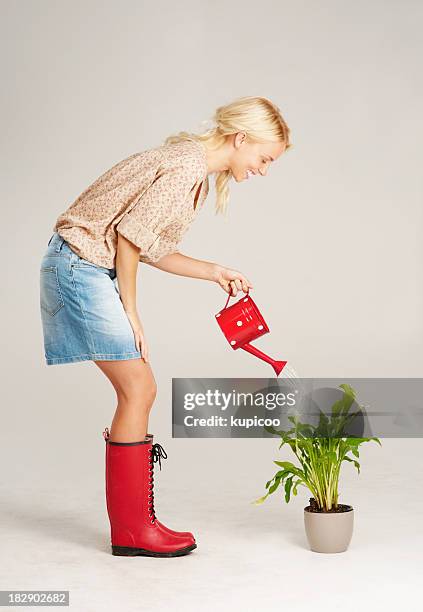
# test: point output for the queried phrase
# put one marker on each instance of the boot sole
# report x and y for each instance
(129, 551)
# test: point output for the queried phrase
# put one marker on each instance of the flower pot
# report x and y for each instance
(329, 532)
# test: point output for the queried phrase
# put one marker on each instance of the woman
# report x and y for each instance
(138, 211)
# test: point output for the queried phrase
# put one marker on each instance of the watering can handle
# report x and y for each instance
(230, 295)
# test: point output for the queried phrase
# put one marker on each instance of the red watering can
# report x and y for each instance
(243, 322)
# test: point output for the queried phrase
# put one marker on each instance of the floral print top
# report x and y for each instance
(150, 198)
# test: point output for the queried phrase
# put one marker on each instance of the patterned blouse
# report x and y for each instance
(151, 198)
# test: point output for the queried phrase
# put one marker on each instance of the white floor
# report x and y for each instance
(55, 534)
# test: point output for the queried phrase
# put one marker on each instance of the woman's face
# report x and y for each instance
(248, 159)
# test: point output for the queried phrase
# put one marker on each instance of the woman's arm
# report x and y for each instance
(127, 255)
(176, 263)
(127, 259)
(230, 280)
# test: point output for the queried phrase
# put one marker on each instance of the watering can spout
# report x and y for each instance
(276, 365)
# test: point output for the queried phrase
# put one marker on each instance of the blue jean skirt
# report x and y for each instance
(81, 312)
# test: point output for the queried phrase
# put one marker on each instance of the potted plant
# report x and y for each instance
(320, 451)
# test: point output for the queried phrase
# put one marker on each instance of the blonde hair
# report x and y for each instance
(258, 117)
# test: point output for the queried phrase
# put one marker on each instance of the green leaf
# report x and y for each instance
(290, 467)
(356, 463)
(296, 484)
(336, 408)
(274, 485)
(260, 500)
(356, 441)
(348, 389)
(332, 457)
(279, 474)
(288, 486)
(286, 464)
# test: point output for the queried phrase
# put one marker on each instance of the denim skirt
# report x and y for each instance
(81, 312)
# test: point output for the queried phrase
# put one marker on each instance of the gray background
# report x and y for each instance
(331, 240)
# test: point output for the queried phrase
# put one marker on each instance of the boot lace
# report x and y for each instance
(157, 452)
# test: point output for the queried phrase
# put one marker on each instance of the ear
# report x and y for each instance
(239, 139)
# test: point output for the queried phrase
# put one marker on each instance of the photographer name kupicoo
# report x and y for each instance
(219, 421)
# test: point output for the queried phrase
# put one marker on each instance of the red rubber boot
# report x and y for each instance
(151, 469)
(130, 503)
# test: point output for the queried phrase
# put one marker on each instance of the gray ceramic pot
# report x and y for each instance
(329, 532)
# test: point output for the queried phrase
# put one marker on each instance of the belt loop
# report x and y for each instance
(59, 244)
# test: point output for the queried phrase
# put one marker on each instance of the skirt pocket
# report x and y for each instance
(51, 299)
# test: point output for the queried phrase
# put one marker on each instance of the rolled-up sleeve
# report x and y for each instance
(149, 224)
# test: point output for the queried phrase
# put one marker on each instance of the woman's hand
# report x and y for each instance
(137, 328)
(231, 280)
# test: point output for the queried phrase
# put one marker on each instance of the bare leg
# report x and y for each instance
(136, 390)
